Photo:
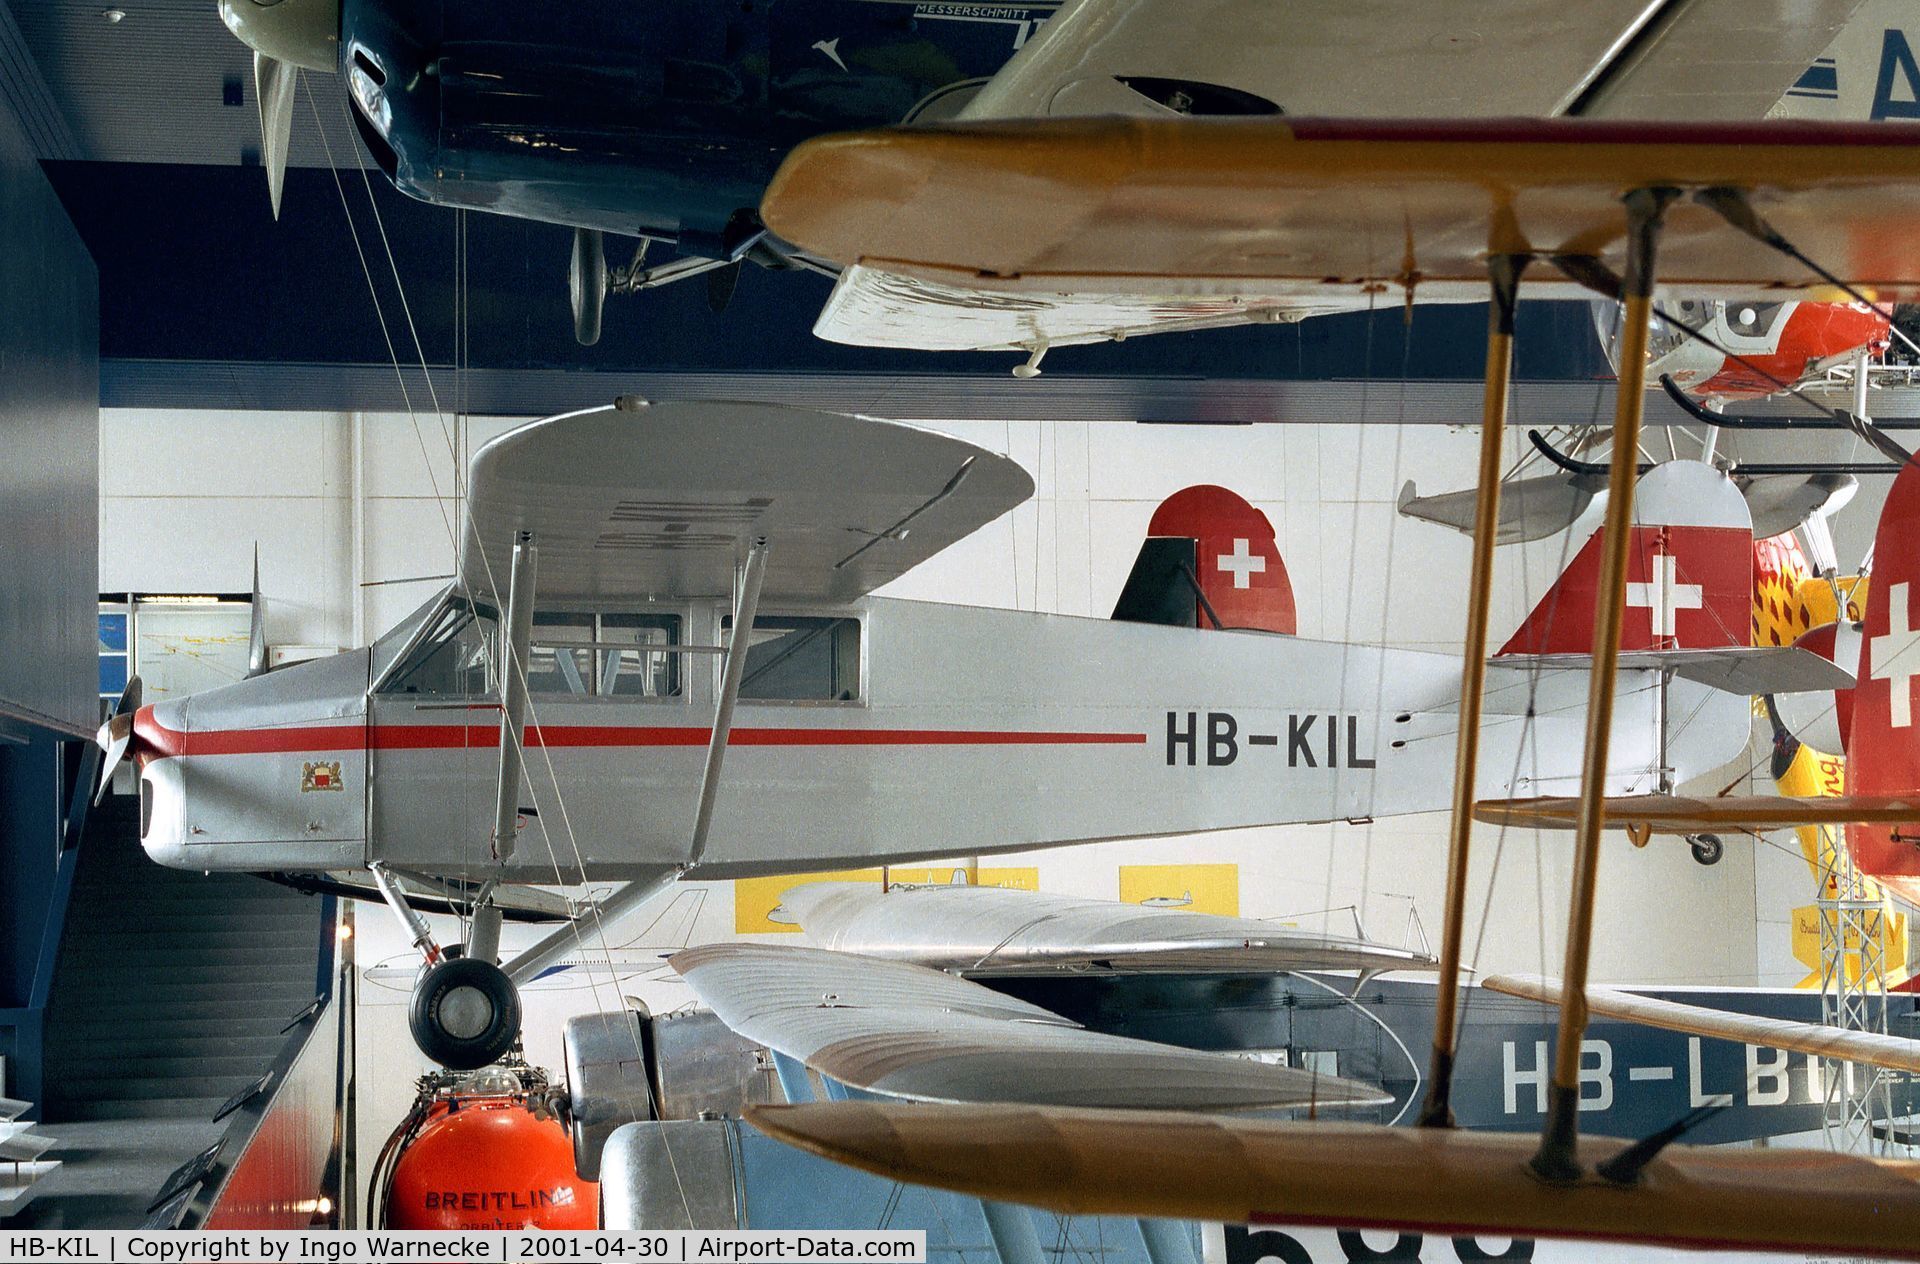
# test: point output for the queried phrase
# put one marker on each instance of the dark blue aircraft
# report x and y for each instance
(1635, 1079)
(662, 121)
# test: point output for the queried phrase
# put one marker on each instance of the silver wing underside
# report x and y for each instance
(905, 1031)
(993, 931)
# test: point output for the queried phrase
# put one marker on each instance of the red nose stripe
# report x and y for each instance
(164, 742)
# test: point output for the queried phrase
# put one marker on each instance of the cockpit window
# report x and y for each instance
(454, 657)
(395, 640)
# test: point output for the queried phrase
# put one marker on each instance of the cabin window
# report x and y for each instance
(560, 659)
(604, 655)
(454, 657)
(801, 658)
(639, 671)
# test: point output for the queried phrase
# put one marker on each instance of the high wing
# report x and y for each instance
(991, 931)
(1424, 1180)
(1674, 59)
(906, 1031)
(659, 500)
(1896, 1053)
(1681, 814)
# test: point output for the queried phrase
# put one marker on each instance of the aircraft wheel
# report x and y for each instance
(587, 284)
(465, 1013)
(1707, 848)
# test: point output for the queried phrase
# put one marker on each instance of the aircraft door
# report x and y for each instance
(434, 746)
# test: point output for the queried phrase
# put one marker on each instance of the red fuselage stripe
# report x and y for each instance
(162, 743)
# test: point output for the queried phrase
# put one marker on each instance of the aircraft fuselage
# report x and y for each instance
(666, 120)
(939, 731)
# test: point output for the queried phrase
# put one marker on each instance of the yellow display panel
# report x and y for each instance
(1198, 888)
(1815, 774)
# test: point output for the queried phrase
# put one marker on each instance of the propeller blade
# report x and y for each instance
(273, 85)
(721, 283)
(116, 735)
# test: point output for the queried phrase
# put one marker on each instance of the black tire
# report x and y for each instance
(587, 284)
(1707, 848)
(465, 1014)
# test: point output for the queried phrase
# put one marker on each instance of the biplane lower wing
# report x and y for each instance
(1427, 1180)
(906, 1031)
(990, 931)
(1682, 814)
(1896, 1053)
(1742, 669)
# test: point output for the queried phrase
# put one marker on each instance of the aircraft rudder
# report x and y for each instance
(1210, 560)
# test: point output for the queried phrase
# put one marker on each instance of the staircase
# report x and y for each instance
(172, 987)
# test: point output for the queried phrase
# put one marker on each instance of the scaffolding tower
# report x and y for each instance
(1854, 922)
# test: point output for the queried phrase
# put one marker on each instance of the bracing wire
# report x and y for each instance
(517, 665)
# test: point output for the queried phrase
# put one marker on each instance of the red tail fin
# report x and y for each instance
(1689, 576)
(1209, 537)
(1884, 748)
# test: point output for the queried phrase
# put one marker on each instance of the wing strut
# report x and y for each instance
(1504, 272)
(746, 604)
(483, 937)
(1557, 1158)
(529, 964)
(513, 695)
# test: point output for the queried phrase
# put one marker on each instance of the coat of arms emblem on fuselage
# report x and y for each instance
(324, 775)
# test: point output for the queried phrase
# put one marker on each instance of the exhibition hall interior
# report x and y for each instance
(1148, 631)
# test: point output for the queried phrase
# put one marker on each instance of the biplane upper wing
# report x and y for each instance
(1426, 1180)
(907, 1031)
(1675, 59)
(659, 500)
(1896, 1053)
(987, 931)
(1683, 814)
(1263, 210)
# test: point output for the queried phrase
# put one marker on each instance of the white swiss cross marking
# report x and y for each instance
(1665, 596)
(1243, 563)
(1893, 658)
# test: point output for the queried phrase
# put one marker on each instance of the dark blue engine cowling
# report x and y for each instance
(664, 118)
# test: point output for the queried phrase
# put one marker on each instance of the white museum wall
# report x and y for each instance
(341, 504)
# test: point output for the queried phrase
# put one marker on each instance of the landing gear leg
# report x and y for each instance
(465, 1012)
(1707, 848)
(587, 284)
